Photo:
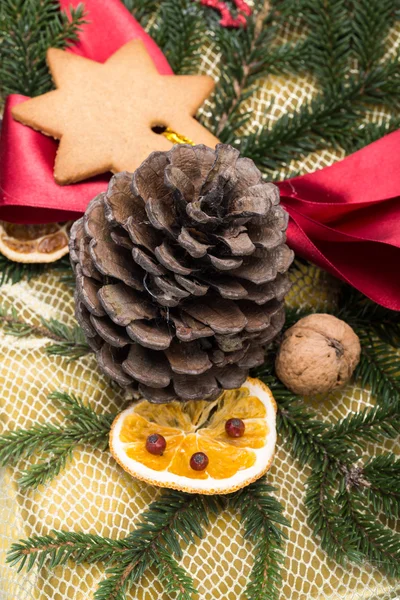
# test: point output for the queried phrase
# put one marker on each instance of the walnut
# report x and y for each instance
(317, 355)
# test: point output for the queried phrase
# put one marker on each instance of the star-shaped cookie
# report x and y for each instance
(103, 114)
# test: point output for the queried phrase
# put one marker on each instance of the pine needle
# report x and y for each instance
(69, 342)
(55, 442)
(27, 29)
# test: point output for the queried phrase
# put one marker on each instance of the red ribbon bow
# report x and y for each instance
(344, 218)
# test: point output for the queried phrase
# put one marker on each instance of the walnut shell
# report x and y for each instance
(317, 355)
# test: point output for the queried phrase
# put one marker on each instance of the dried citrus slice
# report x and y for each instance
(34, 243)
(199, 428)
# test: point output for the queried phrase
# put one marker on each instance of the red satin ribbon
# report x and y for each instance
(344, 218)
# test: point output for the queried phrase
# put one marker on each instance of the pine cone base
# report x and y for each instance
(181, 273)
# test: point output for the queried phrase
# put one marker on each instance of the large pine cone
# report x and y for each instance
(180, 272)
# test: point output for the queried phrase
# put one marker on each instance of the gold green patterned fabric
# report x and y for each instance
(94, 495)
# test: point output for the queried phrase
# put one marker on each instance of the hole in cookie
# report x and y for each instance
(159, 129)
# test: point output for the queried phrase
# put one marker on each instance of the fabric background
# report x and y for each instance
(94, 495)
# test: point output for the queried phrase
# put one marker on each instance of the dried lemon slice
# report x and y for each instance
(34, 243)
(199, 427)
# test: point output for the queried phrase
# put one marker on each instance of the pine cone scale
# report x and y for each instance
(228, 288)
(169, 286)
(88, 289)
(149, 335)
(193, 387)
(147, 262)
(170, 261)
(188, 358)
(195, 248)
(238, 242)
(124, 305)
(225, 264)
(110, 332)
(188, 329)
(181, 272)
(147, 366)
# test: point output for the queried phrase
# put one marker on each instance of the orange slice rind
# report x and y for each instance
(190, 427)
(34, 243)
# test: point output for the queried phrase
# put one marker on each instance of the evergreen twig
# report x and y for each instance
(336, 535)
(372, 20)
(373, 539)
(365, 315)
(262, 517)
(27, 29)
(379, 368)
(383, 491)
(247, 57)
(58, 547)
(174, 517)
(340, 36)
(337, 475)
(69, 341)
(367, 425)
(180, 30)
(142, 10)
(14, 272)
(55, 442)
(174, 579)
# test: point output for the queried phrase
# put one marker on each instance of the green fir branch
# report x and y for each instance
(364, 314)
(262, 517)
(368, 133)
(382, 85)
(248, 56)
(371, 21)
(174, 517)
(373, 539)
(53, 464)
(383, 490)
(321, 122)
(180, 30)
(335, 534)
(27, 29)
(367, 425)
(55, 443)
(142, 10)
(379, 368)
(382, 467)
(14, 272)
(301, 431)
(332, 452)
(174, 578)
(69, 341)
(337, 35)
(72, 342)
(328, 41)
(58, 547)
(23, 443)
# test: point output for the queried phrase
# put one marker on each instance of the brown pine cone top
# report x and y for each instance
(181, 272)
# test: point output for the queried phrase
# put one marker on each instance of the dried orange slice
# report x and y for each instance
(34, 243)
(195, 427)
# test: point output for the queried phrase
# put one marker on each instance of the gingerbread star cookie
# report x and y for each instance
(103, 114)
